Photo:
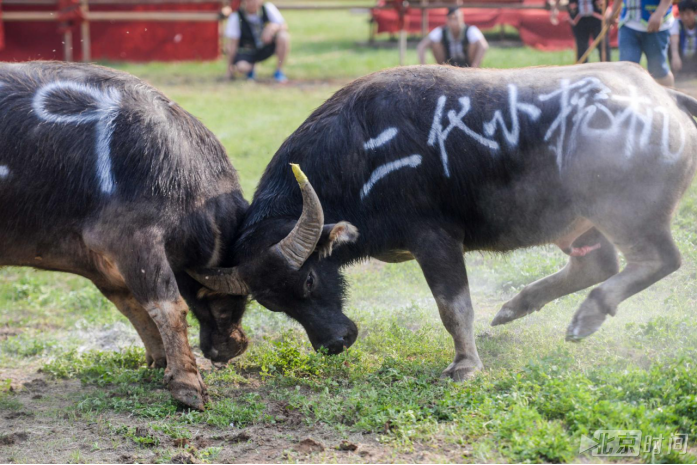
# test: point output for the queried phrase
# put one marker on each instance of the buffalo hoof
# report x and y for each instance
(461, 371)
(511, 311)
(587, 320)
(188, 390)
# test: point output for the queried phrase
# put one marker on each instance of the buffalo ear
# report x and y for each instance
(334, 235)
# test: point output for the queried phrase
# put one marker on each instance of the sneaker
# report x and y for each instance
(280, 77)
(252, 75)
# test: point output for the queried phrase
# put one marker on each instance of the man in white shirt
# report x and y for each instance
(683, 39)
(253, 34)
(455, 43)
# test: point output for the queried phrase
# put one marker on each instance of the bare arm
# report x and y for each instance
(270, 31)
(477, 51)
(613, 13)
(656, 18)
(231, 50)
(554, 12)
(676, 61)
(231, 46)
(421, 49)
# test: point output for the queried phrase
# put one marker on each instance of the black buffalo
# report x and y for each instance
(103, 176)
(430, 162)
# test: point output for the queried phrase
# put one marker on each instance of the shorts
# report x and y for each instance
(255, 56)
(654, 45)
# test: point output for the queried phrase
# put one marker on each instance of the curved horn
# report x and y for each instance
(302, 240)
(223, 280)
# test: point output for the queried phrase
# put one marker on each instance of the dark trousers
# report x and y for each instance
(587, 29)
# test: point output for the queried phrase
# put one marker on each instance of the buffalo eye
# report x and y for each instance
(309, 283)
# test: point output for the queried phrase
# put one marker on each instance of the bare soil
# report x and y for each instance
(47, 428)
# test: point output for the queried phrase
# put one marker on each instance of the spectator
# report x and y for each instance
(683, 39)
(455, 43)
(253, 34)
(645, 28)
(586, 19)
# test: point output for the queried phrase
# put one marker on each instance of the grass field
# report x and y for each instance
(73, 386)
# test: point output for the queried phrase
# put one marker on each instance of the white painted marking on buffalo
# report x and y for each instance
(381, 171)
(511, 135)
(107, 103)
(439, 134)
(567, 104)
(632, 124)
(384, 137)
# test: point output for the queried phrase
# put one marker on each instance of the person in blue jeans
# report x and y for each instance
(645, 29)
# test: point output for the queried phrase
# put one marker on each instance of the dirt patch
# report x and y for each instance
(285, 413)
(6, 333)
(16, 415)
(309, 445)
(347, 446)
(239, 437)
(13, 438)
(47, 417)
(113, 337)
(183, 458)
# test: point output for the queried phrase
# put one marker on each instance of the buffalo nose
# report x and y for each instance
(338, 345)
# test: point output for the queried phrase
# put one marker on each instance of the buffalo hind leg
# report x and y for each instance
(579, 273)
(440, 257)
(155, 354)
(650, 254)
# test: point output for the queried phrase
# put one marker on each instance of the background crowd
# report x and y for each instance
(258, 31)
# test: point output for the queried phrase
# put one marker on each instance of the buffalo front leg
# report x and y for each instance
(441, 259)
(182, 376)
(142, 262)
(155, 354)
(581, 272)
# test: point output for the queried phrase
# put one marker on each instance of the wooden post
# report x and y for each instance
(603, 43)
(424, 18)
(372, 31)
(402, 34)
(402, 46)
(85, 34)
(68, 45)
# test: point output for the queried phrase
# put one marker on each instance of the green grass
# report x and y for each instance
(537, 396)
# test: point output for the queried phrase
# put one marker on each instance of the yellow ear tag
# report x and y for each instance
(299, 175)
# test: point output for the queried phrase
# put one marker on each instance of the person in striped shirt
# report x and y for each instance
(645, 29)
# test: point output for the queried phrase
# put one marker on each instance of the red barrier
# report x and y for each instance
(116, 40)
(2, 29)
(534, 26)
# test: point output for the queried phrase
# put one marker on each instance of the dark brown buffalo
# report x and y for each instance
(105, 177)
